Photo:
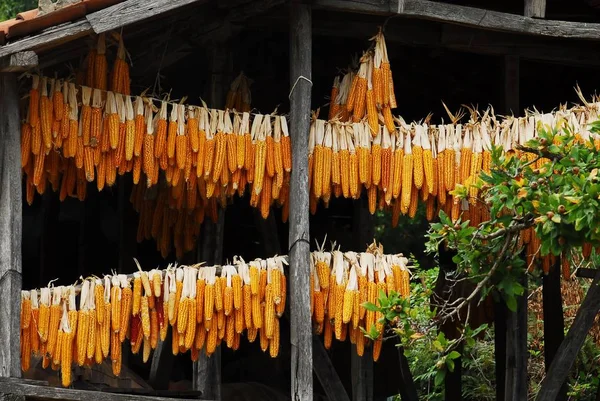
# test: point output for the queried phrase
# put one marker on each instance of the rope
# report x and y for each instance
(296, 83)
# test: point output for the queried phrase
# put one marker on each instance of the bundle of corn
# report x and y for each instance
(342, 282)
(370, 92)
(202, 308)
(239, 97)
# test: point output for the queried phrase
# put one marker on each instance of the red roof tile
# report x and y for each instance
(28, 22)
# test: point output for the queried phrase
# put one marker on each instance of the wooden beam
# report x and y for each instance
(19, 62)
(468, 16)
(363, 230)
(132, 11)
(11, 218)
(515, 387)
(162, 362)
(408, 389)
(19, 388)
(49, 38)
(325, 371)
(535, 8)
(554, 322)
(299, 236)
(571, 345)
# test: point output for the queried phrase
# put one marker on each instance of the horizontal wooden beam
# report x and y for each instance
(49, 38)
(24, 388)
(468, 16)
(19, 62)
(132, 11)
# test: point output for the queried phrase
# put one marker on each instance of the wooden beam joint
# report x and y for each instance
(19, 62)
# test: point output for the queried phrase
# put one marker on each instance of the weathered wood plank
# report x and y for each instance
(19, 62)
(10, 227)
(515, 387)
(569, 348)
(500, 311)
(49, 38)
(554, 323)
(325, 371)
(535, 8)
(362, 374)
(162, 362)
(300, 105)
(16, 387)
(408, 390)
(586, 273)
(469, 16)
(132, 11)
(363, 230)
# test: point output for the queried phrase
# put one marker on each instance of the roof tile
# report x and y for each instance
(60, 16)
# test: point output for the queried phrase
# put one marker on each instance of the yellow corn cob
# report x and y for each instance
(200, 337)
(247, 295)
(269, 311)
(177, 297)
(260, 151)
(228, 301)
(417, 157)
(183, 315)
(115, 297)
(82, 336)
(211, 341)
(34, 334)
(219, 157)
(154, 328)
(174, 342)
(348, 306)
(190, 332)
(93, 329)
(256, 312)
(137, 295)
(126, 295)
(327, 337)
(200, 288)
(372, 114)
(428, 169)
(55, 313)
(236, 283)
(218, 295)
(407, 180)
(377, 348)
(106, 332)
(145, 316)
(274, 341)
(65, 362)
(414, 202)
(209, 299)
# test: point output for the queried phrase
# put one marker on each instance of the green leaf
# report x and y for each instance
(453, 355)
(511, 303)
(370, 307)
(439, 377)
(450, 364)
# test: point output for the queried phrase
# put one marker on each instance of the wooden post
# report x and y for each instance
(207, 370)
(408, 391)
(325, 371)
(10, 227)
(515, 387)
(500, 347)
(299, 252)
(362, 367)
(535, 8)
(511, 85)
(569, 348)
(453, 382)
(554, 324)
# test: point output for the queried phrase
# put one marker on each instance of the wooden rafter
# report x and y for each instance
(468, 16)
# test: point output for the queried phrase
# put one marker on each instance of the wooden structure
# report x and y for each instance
(177, 40)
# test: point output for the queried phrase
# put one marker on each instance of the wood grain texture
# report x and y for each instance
(571, 345)
(132, 11)
(515, 386)
(49, 38)
(469, 16)
(535, 8)
(299, 237)
(10, 227)
(17, 387)
(19, 62)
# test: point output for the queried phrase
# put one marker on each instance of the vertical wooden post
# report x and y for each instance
(299, 253)
(207, 370)
(500, 347)
(362, 367)
(511, 85)
(571, 345)
(515, 388)
(554, 324)
(10, 227)
(535, 8)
